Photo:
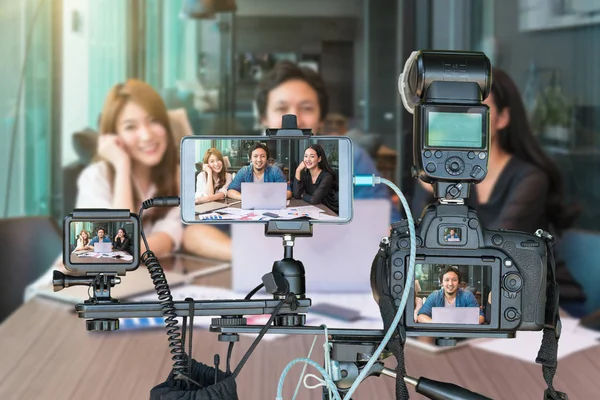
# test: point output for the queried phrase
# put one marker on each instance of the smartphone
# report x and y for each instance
(335, 312)
(262, 175)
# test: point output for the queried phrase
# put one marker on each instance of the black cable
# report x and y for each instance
(253, 291)
(228, 363)
(190, 332)
(164, 293)
(262, 333)
(15, 126)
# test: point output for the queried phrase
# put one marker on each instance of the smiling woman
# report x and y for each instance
(136, 159)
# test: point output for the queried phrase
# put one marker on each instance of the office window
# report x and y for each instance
(26, 154)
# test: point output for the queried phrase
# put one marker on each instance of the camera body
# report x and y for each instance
(509, 266)
(469, 281)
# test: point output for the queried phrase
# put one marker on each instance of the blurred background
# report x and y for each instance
(60, 57)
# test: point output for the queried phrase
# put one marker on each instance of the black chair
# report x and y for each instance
(28, 248)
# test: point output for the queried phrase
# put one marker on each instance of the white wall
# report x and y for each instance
(297, 8)
(75, 70)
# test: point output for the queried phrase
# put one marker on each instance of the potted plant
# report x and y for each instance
(552, 113)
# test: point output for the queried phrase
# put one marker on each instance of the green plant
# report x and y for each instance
(553, 107)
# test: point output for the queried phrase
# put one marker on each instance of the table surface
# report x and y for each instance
(47, 353)
(75, 259)
(293, 202)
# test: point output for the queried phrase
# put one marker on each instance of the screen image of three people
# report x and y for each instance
(314, 181)
(121, 241)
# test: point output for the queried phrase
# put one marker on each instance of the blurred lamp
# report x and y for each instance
(206, 9)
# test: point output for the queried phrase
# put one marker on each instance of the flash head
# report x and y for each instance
(445, 92)
(445, 77)
(101, 241)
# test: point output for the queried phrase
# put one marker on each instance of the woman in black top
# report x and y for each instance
(314, 180)
(522, 190)
(121, 241)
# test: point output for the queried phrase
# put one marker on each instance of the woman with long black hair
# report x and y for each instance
(523, 189)
(314, 180)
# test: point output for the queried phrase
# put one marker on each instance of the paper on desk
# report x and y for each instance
(526, 345)
(196, 292)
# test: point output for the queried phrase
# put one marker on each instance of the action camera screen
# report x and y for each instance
(101, 242)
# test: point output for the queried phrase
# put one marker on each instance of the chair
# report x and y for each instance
(581, 252)
(29, 246)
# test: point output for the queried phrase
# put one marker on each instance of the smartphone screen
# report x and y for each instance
(231, 179)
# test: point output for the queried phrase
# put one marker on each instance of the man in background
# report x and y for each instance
(290, 89)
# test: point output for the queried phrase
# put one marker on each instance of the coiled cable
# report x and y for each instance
(161, 286)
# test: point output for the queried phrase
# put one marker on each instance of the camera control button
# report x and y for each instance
(438, 154)
(477, 172)
(511, 314)
(512, 282)
(430, 167)
(427, 154)
(473, 223)
(398, 289)
(482, 155)
(471, 155)
(508, 263)
(404, 243)
(398, 262)
(455, 166)
(398, 275)
(497, 240)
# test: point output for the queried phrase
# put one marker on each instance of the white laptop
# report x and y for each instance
(455, 315)
(102, 247)
(337, 258)
(264, 196)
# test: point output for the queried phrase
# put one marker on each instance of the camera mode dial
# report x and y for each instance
(455, 165)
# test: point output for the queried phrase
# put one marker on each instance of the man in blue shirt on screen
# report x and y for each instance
(450, 295)
(290, 89)
(99, 238)
(258, 171)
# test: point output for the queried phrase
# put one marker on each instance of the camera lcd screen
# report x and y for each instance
(452, 294)
(101, 242)
(451, 129)
(227, 179)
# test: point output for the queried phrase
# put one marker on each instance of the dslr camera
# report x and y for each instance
(498, 277)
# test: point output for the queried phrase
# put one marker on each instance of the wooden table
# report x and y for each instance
(47, 354)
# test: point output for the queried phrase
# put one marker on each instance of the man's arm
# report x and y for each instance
(424, 314)
(235, 187)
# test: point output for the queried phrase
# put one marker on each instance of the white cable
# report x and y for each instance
(409, 281)
(365, 180)
(300, 380)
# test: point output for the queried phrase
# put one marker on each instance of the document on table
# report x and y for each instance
(526, 345)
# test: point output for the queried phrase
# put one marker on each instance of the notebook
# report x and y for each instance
(212, 206)
(337, 258)
(455, 315)
(264, 196)
(102, 247)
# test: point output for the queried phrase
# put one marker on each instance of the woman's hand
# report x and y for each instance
(207, 169)
(112, 149)
(200, 200)
(300, 168)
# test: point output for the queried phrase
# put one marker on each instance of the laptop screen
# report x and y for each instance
(264, 196)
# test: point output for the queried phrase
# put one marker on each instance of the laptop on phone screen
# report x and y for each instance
(264, 196)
